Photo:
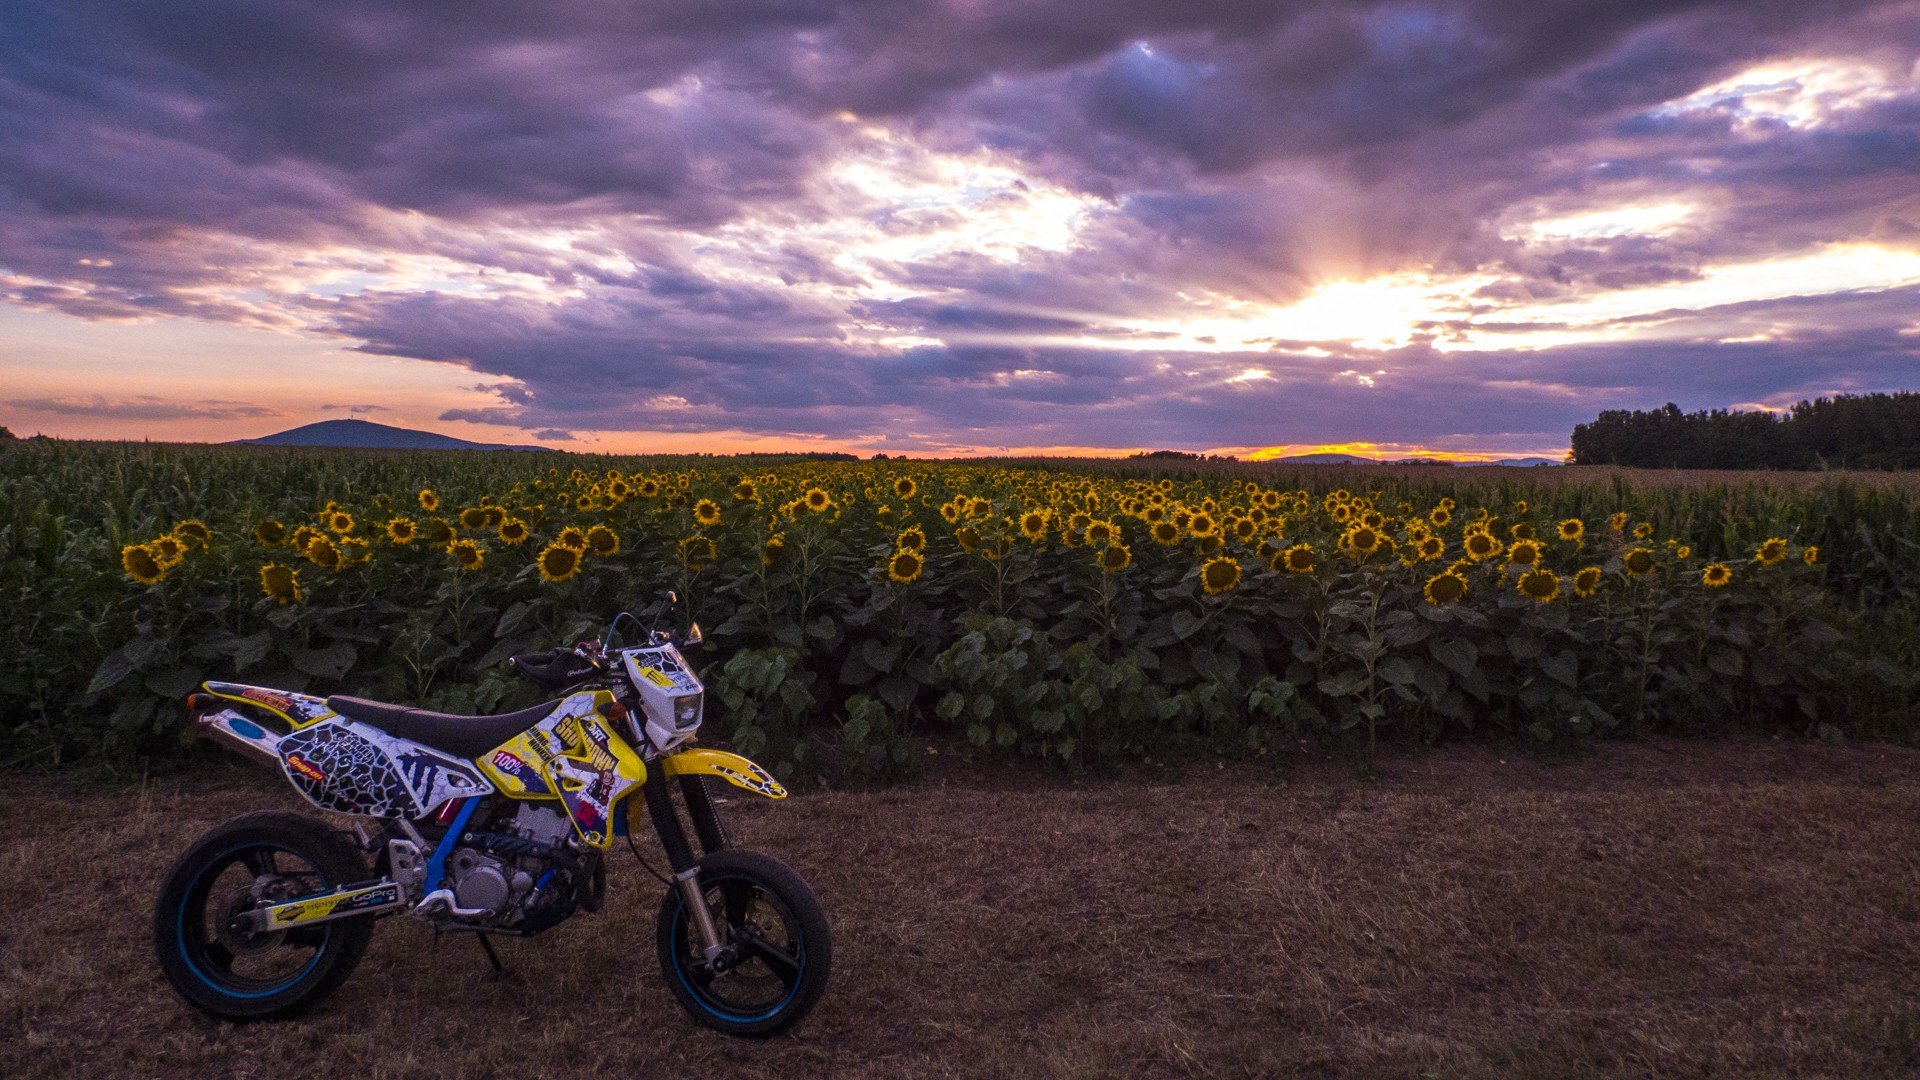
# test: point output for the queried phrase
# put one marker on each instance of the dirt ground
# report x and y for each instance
(1660, 907)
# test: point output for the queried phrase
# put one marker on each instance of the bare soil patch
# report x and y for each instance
(1660, 907)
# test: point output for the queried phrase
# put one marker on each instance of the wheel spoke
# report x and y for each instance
(737, 897)
(784, 966)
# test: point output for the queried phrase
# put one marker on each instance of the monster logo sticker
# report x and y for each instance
(433, 778)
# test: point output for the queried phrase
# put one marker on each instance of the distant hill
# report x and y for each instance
(1326, 459)
(1528, 461)
(366, 435)
(1355, 459)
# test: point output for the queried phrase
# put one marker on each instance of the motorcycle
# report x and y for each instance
(494, 825)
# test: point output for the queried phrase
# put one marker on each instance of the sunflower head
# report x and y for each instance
(950, 511)
(1440, 516)
(141, 564)
(321, 552)
(1572, 529)
(355, 550)
(492, 516)
(1810, 555)
(1524, 553)
(1099, 532)
(905, 566)
(1201, 524)
(280, 583)
(773, 549)
(745, 491)
(706, 512)
(1638, 561)
(473, 518)
(558, 562)
(1115, 558)
(1586, 581)
(1165, 533)
(1541, 584)
(603, 541)
(429, 500)
(1771, 552)
(912, 538)
(1715, 575)
(818, 499)
(968, 538)
(1220, 575)
(572, 537)
(168, 549)
(467, 554)
(269, 533)
(339, 521)
(1618, 522)
(1683, 552)
(1481, 545)
(1362, 540)
(512, 531)
(1430, 547)
(193, 533)
(1297, 559)
(402, 530)
(437, 531)
(905, 487)
(1445, 587)
(696, 552)
(1643, 531)
(1033, 525)
(649, 488)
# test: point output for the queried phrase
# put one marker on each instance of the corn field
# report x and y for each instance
(1082, 612)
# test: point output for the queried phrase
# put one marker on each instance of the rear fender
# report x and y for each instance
(732, 768)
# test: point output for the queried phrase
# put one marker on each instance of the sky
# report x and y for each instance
(1259, 228)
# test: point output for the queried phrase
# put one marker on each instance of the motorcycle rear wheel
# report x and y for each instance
(782, 950)
(240, 975)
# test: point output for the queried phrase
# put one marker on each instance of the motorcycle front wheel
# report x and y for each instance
(778, 950)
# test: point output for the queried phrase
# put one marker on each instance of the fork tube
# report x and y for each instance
(686, 869)
(706, 816)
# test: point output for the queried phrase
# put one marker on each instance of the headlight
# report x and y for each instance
(686, 711)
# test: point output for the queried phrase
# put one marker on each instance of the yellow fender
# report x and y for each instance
(732, 768)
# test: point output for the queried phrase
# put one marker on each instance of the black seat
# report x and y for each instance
(467, 736)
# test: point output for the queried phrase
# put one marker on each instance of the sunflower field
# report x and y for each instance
(856, 612)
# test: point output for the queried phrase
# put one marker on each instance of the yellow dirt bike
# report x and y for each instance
(487, 824)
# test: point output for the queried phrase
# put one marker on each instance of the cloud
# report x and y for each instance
(144, 408)
(937, 226)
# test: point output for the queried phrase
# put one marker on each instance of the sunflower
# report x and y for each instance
(192, 533)
(493, 516)
(141, 564)
(1033, 525)
(473, 518)
(280, 583)
(1523, 553)
(603, 541)
(1154, 514)
(773, 549)
(1618, 522)
(696, 552)
(1243, 529)
(1586, 581)
(1715, 575)
(950, 511)
(1341, 513)
(1115, 558)
(1638, 561)
(912, 538)
(1573, 529)
(905, 487)
(1101, 532)
(1810, 556)
(512, 531)
(1683, 552)
(706, 512)
(1643, 531)
(1220, 575)
(818, 500)
(558, 562)
(1362, 540)
(269, 533)
(1520, 530)
(1445, 587)
(321, 552)
(168, 550)
(339, 521)
(1440, 516)
(1165, 533)
(467, 554)
(905, 566)
(1520, 507)
(1430, 547)
(649, 488)
(1771, 552)
(968, 538)
(573, 538)
(744, 491)
(437, 531)
(1297, 559)
(1480, 546)
(1541, 584)
(402, 530)
(1201, 524)
(355, 550)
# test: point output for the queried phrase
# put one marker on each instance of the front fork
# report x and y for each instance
(686, 868)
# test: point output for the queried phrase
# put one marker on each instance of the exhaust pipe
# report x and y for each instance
(230, 729)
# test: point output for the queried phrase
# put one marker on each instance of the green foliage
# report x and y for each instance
(1870, 431)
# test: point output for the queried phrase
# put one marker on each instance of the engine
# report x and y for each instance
(524, 873)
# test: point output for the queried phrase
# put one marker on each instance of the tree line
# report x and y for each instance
(1867, 431)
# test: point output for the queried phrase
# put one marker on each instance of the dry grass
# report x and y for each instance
(1662, 908)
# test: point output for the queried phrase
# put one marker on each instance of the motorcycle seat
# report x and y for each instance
(465, 736)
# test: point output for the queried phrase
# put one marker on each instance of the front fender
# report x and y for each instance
(732, 768)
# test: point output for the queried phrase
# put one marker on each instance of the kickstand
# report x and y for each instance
(499, 969)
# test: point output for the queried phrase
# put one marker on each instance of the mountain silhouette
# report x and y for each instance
(367, 435)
